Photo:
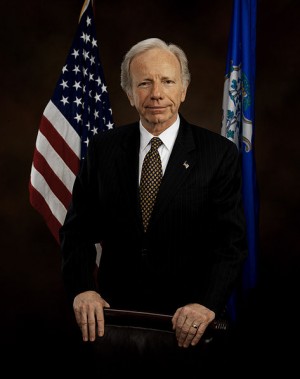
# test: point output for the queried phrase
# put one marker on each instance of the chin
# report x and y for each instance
(157, 117)
(159, 120)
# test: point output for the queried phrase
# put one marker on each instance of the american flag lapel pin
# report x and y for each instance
(186, 165)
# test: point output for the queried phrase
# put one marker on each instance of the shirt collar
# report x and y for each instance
(168, 136)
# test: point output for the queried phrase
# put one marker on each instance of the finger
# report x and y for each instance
(182, 323)
(175, 317)
(84, 331)
(191, 335)
(82, 322)
(199, 334)
(81, 319)
(91, 325)
(77, 316)
(187, 332)
(184, 331)
(99, 314)
(106, 305)
(100, 321)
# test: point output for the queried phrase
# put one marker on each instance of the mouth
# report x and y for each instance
(155, 109)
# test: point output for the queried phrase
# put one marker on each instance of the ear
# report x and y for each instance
(130, 98)
(183, 94)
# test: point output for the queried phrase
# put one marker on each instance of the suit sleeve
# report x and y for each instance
(78, 234)
(230, 245)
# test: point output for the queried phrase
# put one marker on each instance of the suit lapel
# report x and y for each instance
(128, 171)
(178, 169)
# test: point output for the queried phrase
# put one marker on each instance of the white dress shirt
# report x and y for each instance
(168, 138)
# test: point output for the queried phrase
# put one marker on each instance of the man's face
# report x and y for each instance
(157, 89)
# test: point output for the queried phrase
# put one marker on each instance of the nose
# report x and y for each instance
(157, 91)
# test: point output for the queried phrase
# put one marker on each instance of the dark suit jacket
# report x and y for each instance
(195, 245)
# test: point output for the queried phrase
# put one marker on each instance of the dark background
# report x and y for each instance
(37, 326)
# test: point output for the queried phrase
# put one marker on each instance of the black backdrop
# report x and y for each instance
(35, 38)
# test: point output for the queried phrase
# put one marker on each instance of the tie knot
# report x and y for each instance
(155, 143)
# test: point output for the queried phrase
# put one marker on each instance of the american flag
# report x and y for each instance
(78, 110)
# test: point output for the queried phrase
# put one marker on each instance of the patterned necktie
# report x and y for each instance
(150, 180)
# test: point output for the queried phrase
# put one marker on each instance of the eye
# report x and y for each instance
(169, 82)
(144, 84)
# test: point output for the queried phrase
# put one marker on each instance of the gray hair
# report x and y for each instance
(148, 44)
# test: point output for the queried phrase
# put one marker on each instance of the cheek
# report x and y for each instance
(139, 98)
(133, 99)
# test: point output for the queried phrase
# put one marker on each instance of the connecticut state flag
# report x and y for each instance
(238, 123)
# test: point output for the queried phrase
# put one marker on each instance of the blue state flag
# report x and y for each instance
(238, 122)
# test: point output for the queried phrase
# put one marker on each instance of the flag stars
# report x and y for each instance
(75, 53)
(64, 100)
(78, 101)
(96, 114)
(64, 84)
(64, 69)
(85, 54)
(92, 60)
(85, 71)
(87, 38)
(76, 69)
(110, 125)
(78, 118)
(84, 36)
(97, 97)
(77, 85)
(94, 130)
(87, 99)
(98, 81)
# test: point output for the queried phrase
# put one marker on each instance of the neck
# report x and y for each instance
(156, 128)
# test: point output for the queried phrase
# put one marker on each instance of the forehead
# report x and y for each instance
(155, 62)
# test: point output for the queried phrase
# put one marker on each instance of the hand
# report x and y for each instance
(88, 308)
(190, 323)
